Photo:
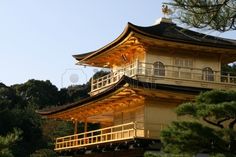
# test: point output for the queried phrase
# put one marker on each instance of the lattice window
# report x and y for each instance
(183, 62)
(159, 69)
(208, 74)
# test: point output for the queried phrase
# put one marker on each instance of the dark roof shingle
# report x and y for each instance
(169, 32)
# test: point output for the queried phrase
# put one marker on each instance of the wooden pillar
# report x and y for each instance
(137, 67)
(75, 132)
(85, 130)
(75, 127)
(92, 84)
(85, 125)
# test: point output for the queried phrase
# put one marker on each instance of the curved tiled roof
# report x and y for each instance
(124, 80)
(169, 32)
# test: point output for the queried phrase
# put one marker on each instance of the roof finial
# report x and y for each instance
(166, 10)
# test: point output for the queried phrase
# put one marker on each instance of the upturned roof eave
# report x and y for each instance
(118, 86)
(135, 29)
(83, 101)
(120, 38)
(208, 44)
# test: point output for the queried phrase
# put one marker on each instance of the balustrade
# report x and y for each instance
(170, 73)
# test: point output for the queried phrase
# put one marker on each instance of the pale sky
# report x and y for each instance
(39, 37)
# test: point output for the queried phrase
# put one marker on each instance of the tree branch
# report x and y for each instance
(215, 124)
(218, 14)
(186, 4)
(231, 124)
(223, 120)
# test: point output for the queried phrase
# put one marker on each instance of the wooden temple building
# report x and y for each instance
(153, 70)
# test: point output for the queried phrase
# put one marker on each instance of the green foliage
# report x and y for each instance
(8, 97)
(30, 123)
(228, 69)
(183, 155)
(218, 109)
(100, 74)
(7, 141)
(44, 153)
(38, 93)
(191, 138)
(218, 15)
(64, 97)
(149, 154)
(17, 110)
(221, 155)
(214, 107)
(55, 128)
(78, 92)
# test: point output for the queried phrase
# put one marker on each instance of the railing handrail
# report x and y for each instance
(142, 68)
(89, 137)
(113, 135)
(175, 66)
(111, 127)
(102, 129)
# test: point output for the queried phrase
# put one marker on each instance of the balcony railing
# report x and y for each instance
(168, 75)
(113, 77)
(109, 134)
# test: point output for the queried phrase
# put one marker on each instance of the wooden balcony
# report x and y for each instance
(172, 75)
(110, 134)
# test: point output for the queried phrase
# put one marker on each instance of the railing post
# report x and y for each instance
(56, 144)
(63, 142)
(85, 130)
(228, 78)
(179, 72)
(122, 131)
(137, 67)
(92, 84)
(101, 136)
(135, 129)
(191, 73)
(75, 133)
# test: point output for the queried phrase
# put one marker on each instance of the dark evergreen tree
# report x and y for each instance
(7, 141)
(17, 110)
(8, 98)
(38, 93)
(218, 110)
(218, 15)
(229, 69)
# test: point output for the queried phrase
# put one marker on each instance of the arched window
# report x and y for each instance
(208, 74)
(158, 69)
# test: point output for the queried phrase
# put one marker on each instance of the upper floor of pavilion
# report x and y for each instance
(164, 53)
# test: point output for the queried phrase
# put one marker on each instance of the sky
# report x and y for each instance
(39, 37)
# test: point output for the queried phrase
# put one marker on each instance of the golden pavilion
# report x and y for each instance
(153, 70)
